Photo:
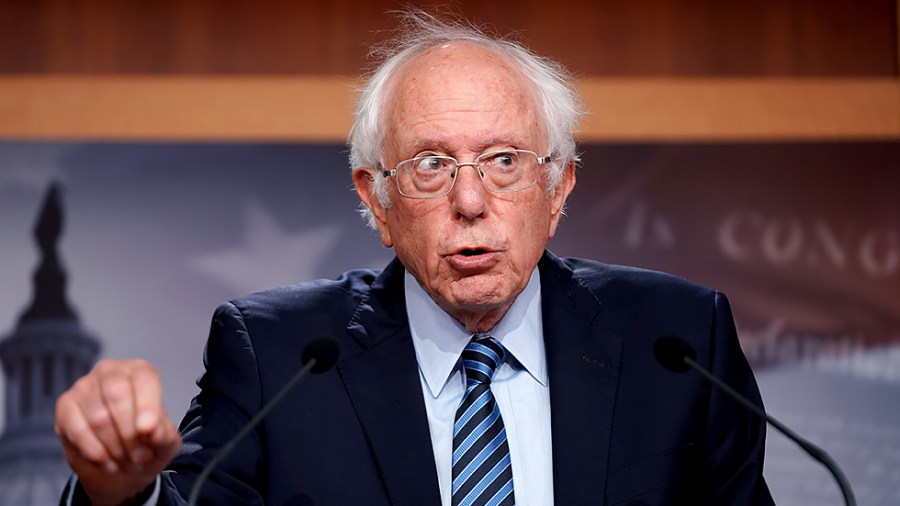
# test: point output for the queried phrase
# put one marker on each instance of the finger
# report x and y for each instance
(80, 444)
(149, 410)
(160, 436)
(90, 401)
(118, 399)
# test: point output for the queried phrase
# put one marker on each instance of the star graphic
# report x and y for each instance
(268, 256)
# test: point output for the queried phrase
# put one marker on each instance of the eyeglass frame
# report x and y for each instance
(541, 160)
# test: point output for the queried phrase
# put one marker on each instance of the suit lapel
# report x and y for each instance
(384, 386)
(583, 364)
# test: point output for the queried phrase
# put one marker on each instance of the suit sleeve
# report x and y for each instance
(229, 397)
(734, 439)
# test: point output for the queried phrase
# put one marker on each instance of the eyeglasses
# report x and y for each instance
(433, 176)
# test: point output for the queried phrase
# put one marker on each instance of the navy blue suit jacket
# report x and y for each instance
(624, 430)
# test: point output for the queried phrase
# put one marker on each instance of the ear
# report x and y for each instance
(559, 197)
(363, 181)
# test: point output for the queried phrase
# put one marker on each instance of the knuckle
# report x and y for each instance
(83, 385)
(144, 369)
(63, 402)
(139, 363)
(99, 418)
(105, 366)
(63, 410)
(117, 390)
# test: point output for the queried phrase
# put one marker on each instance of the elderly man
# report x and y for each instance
(477, 368)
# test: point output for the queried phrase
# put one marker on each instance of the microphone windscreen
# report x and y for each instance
(325, 350)
(670, 352)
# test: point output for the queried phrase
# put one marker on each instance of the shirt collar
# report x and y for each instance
(439, 339)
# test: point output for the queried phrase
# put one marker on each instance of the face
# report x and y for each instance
(473, 251)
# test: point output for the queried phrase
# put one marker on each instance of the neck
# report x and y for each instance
(479, 320)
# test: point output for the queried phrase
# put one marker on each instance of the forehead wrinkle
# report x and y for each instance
(444, 146)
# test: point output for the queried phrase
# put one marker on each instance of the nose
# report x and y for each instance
(468, 196)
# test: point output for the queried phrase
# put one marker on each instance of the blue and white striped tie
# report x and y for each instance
(482, 470)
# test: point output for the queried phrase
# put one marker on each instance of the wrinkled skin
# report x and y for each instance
(472, 251)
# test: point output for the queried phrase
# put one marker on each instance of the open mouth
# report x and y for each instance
(469, 252)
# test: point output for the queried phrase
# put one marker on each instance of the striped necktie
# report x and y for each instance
(482, 470)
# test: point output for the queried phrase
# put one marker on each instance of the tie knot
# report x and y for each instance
(481, 357)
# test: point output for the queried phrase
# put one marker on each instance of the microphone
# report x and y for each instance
(677, 355)
(318, 356)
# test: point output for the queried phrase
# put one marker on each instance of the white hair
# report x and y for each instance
(420, 31)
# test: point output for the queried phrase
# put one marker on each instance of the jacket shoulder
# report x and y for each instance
(309, 299)
(602, 278)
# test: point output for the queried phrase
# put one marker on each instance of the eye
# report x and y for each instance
(504, 160)
(431, 163)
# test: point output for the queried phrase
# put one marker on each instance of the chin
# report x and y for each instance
(471, 293)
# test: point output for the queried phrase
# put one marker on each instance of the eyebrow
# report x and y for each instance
(481, 147)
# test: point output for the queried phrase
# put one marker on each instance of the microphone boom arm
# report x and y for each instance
(815, 451)
(251, 425)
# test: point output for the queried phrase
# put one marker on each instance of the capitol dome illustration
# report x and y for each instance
(41, 357)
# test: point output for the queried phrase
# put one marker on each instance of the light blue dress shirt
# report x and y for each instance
(520, 386)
